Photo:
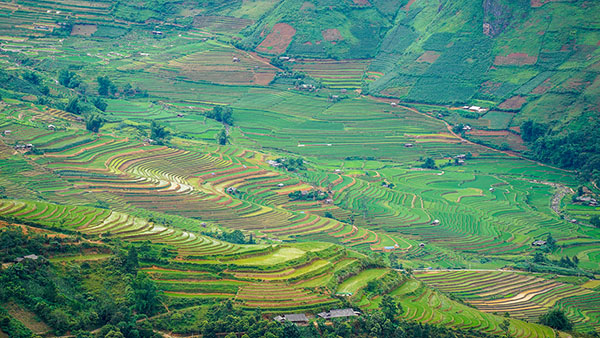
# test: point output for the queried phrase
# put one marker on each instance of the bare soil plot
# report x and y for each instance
(332, 34)
(363, 3)
(516, 59)
(540, 3)
(429, 57)
(407, 6)
(278, 40)
(514, 103)
(27, 318)
(84, 30)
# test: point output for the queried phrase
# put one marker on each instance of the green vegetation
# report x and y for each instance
(202, 167)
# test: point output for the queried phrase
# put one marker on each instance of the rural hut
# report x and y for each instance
(339, 313)
(296, 318)
(539, 242)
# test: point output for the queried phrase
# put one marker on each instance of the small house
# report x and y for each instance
(31, 257)
(273, 163)
(280, 185)
(408, 145)
(284, 58)
(51, 127)
(180, 115)
(435, 222)
(467, 127)
(539, 242)
(296, 318)
(231, 190)
(343, 91)
(460, 162)
(236, 59)
(492, 189)
(157, 33)
(329, 201)
(421, 245)
(7, 132)
(339, 313)
(393, 104)
(203, 224)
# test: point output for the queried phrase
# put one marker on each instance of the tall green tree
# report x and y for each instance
(158, 132)
(390, 308)
(505, 327)
(595, 221)
(131, 262)
(222, 137)
(68, 78)
(94, 123)
(74, 107)
(105, 86)
(429, 163)
(146, 297)
(556, 318)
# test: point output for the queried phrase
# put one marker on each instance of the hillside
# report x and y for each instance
(431, 164)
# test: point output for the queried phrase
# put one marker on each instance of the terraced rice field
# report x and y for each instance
(346, 74)
(353, 284)
(220, 63)
(251, 286)
(425, 305)
(522, 296)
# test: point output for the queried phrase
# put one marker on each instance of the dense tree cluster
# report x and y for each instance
(236, 236)
(222, 137)
(14, 243)
(221, 114)
(58, 295)
(158, 133)
(313, 195)
(576, 148)
(69, 79)
(93, 123)
(429, 164)
(291, 164)
(556, 318)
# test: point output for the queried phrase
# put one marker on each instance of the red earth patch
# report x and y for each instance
(278, 40)
(544, 87)
(514, 103)
(429, 57)
(540, 3)
(332, 34)
(518, 59)
(407, 6)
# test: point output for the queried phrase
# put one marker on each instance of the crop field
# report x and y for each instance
(522, 296)
(224, 65)
(383, 185)
(346, 74)
(355, 283)
(424, 305)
